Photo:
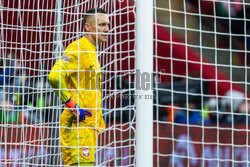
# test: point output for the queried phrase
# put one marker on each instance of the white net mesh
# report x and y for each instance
(201, 81)
(34, 35)
(202, 57)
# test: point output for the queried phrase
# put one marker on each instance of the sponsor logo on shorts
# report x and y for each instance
(65, 58)
(85, 152)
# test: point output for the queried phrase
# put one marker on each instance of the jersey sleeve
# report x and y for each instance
(61, 70)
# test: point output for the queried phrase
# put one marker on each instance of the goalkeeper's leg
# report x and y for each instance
(76, 148)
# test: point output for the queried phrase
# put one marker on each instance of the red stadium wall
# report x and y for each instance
(182, 145)
(26, 144)
(191, 145)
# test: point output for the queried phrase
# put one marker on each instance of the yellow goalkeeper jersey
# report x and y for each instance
(77, 74)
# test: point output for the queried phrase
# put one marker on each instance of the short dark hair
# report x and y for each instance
(91, 11)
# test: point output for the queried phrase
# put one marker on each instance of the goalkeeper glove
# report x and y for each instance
(76, 110)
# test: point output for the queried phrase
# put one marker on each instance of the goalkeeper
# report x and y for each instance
(76, 79)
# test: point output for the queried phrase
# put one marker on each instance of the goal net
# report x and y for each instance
(200, 81)
(34, 35)
(201, 114)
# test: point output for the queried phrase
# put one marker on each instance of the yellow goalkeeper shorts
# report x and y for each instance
(78, 143)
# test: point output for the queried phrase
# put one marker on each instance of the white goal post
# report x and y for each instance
(144, 63)
(175, 81)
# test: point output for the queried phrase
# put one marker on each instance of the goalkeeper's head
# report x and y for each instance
(96, 25)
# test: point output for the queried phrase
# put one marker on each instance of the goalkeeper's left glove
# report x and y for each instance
(78, 112)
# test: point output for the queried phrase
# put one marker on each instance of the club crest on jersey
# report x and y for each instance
(85, 152)
(65, 58)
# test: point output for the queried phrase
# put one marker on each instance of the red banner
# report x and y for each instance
(201, 146)
(23, 144)
(178, 145)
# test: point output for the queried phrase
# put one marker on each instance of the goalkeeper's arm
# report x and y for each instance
(56, 83)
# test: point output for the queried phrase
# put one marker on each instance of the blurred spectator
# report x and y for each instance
(8, 84)
(33, 100)
(235, 108)
(18, 103)
(191, 115)
(232, 108)
(9, 77)
(6, 76)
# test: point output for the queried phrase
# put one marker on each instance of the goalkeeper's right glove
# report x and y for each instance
(76, 110)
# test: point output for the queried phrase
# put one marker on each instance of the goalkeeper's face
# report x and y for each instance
(99, 25)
